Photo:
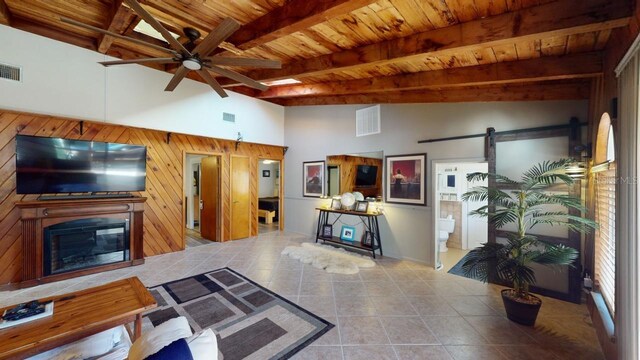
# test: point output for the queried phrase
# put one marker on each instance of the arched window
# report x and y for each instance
(605, 216)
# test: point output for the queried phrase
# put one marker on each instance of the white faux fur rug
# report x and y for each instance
(333, 260)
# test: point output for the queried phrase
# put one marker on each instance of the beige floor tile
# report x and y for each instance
(422, 352)
(319, 305)
(408, 330)
(432, 305)
(393, 305)
(402, 274)
(319, 353)
(468, 305)
(368, 353)
(350, 288)
(415, 288)
(356, 330)
(453, 330)
(354, 306)
(525, 352)
(316, 288)
(475, 352)
(499, 330)
(381, 288)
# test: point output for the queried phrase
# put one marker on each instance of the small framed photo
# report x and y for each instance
(327, 231)
(367, 239)
(313, 178)
(266, 173)
(362, 206)
(348, 233)
(336, 204)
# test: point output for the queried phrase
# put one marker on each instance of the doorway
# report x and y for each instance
(333, 180)
(269, 201)
(202, 198)
(455, 231)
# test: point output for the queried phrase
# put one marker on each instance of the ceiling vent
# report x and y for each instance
(368, 121)
(12, 73)
(228, 117)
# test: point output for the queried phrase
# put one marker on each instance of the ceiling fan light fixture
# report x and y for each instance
(282, 82)
(192, 64)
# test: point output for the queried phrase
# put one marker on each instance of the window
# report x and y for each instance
(605, 204)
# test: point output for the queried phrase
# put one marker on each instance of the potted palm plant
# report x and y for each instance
(527, 206)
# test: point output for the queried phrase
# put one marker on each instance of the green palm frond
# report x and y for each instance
(527, 206)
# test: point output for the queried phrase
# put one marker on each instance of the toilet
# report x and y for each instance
(445, 227)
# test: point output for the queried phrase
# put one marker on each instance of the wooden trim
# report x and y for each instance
(60, 35)
(119, 20)
(559, 18)
(565, 67)
(293, 16)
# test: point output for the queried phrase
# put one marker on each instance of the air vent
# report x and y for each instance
(228, 117)
(368, 121)
(9, 72)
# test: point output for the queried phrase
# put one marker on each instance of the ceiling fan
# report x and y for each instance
(190, 56)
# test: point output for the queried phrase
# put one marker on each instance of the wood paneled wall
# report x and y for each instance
(349, 170)
(164, 209)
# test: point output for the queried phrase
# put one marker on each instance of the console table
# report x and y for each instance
(370, 222)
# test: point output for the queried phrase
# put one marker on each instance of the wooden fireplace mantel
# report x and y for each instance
(38, 215)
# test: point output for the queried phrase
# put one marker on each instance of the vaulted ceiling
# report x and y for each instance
(368, 51)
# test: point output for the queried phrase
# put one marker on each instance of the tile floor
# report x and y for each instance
(396, 310)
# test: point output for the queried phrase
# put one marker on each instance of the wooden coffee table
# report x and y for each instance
(78, 315)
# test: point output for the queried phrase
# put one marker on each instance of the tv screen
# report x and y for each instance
(366, 175)
(53, 165)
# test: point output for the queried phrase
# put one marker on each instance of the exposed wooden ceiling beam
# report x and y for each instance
(293, 16)
(541, 69)
(119, 19)
(561, 18)
(528, 92)
(5, 14)
(60, 35)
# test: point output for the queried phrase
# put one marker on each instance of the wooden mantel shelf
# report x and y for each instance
(38, 215)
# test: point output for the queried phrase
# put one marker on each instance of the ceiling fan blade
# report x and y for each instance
(115, 35)
(177, 77)
(227, 27)
(257, 63)
(140, 61)
(149, 19)
(212, 82)
(238, 77)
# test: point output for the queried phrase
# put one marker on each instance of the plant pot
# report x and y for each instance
(518, 311)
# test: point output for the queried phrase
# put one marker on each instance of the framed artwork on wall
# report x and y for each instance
(266, 173)
(313, 178)
(405, 179)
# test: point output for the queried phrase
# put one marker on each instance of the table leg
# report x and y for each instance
(138, 327)
(375, 221)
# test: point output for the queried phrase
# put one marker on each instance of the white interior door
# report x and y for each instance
(476, 226)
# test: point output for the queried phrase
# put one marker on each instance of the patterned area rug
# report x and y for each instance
(250, 321)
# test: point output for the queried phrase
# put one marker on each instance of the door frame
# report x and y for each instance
(280, 192)
(220, 224)
(435, 213)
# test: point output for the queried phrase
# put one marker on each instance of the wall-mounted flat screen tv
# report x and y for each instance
(366, 175)
(52, 165)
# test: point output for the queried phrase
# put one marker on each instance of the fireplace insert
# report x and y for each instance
(85, 243)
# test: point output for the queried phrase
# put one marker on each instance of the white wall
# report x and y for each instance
(267, 185)
(316, 131)
(65, 80)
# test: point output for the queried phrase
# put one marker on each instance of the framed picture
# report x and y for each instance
(327, 231)
(405, 179)
(313, 178)
(348, 233)
(266, 173)
(367, 239)
(336, 204)
(362, 206)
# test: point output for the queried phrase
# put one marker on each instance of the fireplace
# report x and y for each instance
(85, 243)
(66, 238)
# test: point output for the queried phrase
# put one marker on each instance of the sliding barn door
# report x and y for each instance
(240, 191)
(209, 197)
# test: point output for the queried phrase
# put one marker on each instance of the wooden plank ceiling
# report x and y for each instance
(368, 51)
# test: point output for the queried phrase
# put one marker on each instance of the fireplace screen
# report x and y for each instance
(85, 243)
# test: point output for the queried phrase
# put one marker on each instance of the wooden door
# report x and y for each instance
(210, 197)
(240, 219)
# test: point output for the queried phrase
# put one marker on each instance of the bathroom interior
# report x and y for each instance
(456, 231)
